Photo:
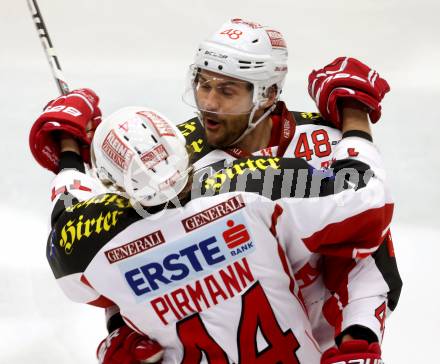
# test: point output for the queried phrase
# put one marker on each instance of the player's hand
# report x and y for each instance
(125, 346)
(353, 351)
(76, 115)
(347, 79)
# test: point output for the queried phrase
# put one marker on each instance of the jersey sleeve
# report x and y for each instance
(363, 292)
(71, 186)
(347, 225)
(351, 218)
(358, 295)
(83, 220)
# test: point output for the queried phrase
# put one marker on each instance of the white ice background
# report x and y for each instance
(136, 53)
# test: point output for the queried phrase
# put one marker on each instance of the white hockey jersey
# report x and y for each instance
(212, 281)
(351, 292)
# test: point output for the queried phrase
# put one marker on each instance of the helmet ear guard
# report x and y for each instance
(138, 150)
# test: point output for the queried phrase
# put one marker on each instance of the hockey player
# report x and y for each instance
(266, 128)
(235, 84)
(209, 278)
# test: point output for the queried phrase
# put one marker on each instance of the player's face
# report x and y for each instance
(225, 104)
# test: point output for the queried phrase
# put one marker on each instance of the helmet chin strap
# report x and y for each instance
(251, 124)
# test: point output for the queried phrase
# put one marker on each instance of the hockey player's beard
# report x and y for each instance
(221, 132)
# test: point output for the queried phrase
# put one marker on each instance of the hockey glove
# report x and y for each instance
(76, 114)
(344, 79)
(353, 351)
(125, 346)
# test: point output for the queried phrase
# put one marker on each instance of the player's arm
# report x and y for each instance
(369, 289)
(122, 344)
(353, 215)
(363, 291)
(77, 236)
(347, 225)
(60, 141)
(364, 310)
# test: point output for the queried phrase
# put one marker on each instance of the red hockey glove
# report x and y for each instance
(347, 78)
(69, 114)
(125, 346)
(353, 351)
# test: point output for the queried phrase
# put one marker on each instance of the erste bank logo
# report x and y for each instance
(197, 255)
(237, 238)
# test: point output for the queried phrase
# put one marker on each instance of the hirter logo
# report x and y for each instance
(135, 247)
(213, 213)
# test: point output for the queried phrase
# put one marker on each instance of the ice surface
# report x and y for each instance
(137, 53)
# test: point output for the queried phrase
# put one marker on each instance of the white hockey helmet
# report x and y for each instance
(142, 152)
(246, 51)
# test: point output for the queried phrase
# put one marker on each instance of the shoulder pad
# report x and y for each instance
(84, 228)
(304, 118)
(272, 177)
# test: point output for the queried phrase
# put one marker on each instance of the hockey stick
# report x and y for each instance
(48, 47)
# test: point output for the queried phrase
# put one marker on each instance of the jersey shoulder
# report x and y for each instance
(194, 134)
(84, 228)
(271, 177)
(309, 118)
